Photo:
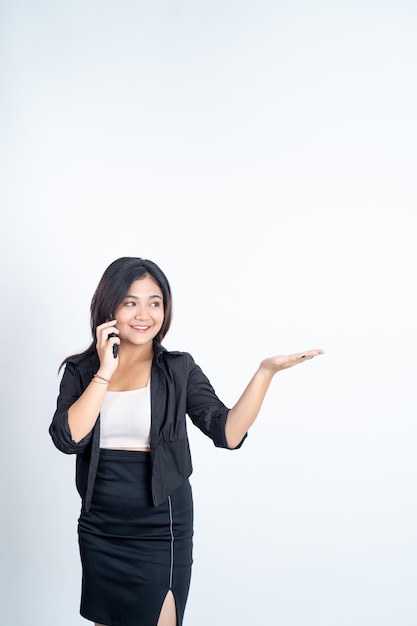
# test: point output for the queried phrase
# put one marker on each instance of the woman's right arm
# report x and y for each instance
(83, 414)
(77, 409)
(70, 389)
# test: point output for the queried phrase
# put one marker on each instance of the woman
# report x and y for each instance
(122, 410)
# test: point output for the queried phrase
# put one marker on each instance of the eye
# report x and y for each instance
(130, 303)
(155, 304)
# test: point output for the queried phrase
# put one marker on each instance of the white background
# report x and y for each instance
(264, 155)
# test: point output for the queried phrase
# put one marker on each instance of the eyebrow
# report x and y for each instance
(137, 297)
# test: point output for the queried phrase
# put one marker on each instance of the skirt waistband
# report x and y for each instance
(138, 456)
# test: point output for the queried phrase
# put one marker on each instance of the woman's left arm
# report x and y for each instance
(241, 417)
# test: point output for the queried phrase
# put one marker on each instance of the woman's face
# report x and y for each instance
(141, 313)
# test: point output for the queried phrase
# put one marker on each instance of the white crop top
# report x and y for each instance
(125, 419)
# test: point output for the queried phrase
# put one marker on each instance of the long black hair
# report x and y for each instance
(113, 287)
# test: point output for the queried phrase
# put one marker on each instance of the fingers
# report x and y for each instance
(107, 340)
(300, 357)
(281, 362)
(109, 325)
(106, 331)
(310, 354)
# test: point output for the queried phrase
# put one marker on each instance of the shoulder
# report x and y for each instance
(177, 354)
(175, 361)
(162, 353)
(78, 372)
(83, 362)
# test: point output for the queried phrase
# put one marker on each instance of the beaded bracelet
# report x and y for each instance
(106, 382)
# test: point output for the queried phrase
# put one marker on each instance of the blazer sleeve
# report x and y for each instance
(70, 390)
(205, 409)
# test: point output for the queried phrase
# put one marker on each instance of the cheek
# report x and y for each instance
(121, 315)
(125, 314)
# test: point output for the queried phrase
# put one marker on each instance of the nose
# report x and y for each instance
(141, 312)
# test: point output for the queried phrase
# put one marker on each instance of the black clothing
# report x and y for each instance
(178, 388)
(135, 527)
(132, 552)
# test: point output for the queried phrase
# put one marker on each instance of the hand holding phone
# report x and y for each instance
(115, 345)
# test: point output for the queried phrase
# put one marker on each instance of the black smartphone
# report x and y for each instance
(115, 345)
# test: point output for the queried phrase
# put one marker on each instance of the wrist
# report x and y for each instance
(265, 371)
(99, 378)
(106, 372)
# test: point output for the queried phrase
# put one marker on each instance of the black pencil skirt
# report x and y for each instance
(133, 553)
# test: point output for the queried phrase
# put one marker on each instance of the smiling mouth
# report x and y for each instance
(141, 328)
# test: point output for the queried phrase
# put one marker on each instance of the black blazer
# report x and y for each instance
(178, 388)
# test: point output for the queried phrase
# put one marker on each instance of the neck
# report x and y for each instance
(129, 355)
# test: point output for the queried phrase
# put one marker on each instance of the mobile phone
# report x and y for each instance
(115, 345)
